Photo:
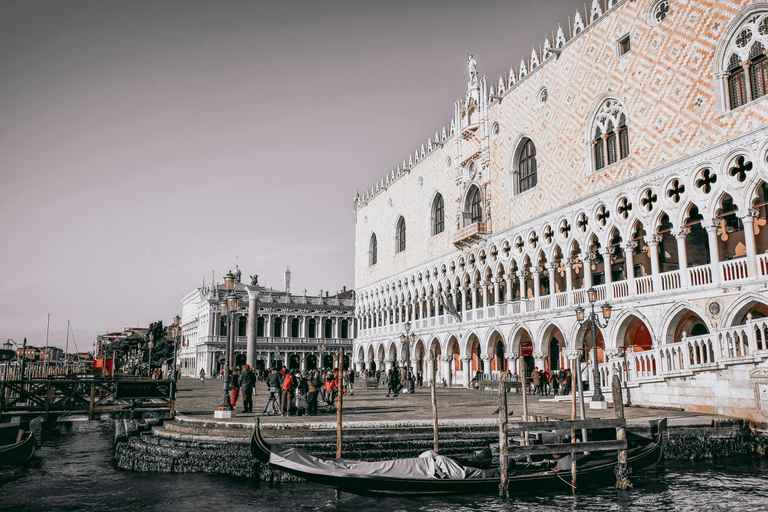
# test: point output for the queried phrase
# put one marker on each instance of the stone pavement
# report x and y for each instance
(458, 404)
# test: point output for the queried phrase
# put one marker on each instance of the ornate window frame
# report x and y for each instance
(437, 215)
(373, 250)
(739, 38)
(515, 169)
(605, 119)
(472, 211)
(400, 235)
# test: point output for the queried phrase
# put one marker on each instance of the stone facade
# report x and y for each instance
(629, 158)
(296, 331)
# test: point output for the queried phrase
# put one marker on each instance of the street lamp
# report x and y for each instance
(598, 400)
(321, 350)
(228, 308)
(406, 339)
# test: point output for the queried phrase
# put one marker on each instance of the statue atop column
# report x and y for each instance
(472, 68)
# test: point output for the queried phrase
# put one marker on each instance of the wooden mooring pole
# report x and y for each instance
(573, 435)
(525, 395)
(503, 446)
(434, 401)
(338, 407)
(622, 472)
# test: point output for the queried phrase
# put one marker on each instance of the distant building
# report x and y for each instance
(297, 331)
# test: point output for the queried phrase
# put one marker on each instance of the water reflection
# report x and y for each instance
(74, 471)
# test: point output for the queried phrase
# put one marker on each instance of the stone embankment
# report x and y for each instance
(189, 445)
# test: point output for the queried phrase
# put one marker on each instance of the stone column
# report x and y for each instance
(250, 357)
(485, 284)
(467, 369)
(536, 271)
(473, 287)
(682, 255)
(487, 358)
(447, 367)
(496, 282)
(303, 361)
(586, 259)
(387, 365)
(607, 252)
(748, 86)
(569, 278)
(748, 219)
(711, 226)
(551, 267)
(521, 276)
(653, 251)
(512, 362)
(538, 359)
(463, 290)
(509, 277)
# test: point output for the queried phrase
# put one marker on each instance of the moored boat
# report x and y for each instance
(432, 474)
(23, 448)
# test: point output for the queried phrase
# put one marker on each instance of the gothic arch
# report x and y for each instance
(736, 312)
(672, 318)
(607, 116)
(623, 323)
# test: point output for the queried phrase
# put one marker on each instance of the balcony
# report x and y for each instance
(469, 233)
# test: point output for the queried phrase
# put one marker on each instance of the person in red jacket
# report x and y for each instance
(288, 386)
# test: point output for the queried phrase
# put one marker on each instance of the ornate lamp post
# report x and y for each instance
(598, 400)
(228, 309)
(321, 350)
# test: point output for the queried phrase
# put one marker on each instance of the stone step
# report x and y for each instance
(162, 432)
(186, 428)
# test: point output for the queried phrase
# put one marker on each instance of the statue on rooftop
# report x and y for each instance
(472, 68)
(255, 280)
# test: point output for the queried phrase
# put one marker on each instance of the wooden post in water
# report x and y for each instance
(622, 473)
(338, 407)
(525, 394)
(503, 447)
(573, 435)
(434, 401)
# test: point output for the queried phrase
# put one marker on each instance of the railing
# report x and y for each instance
(561, 299)
(544, 302)
(733, 270)
(762, 264)
(620, 289)
(579, 296)
(643, 285)
(670, 280)
(700, 275)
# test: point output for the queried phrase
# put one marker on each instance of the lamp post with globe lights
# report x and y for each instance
(228, 309)
(598, 400)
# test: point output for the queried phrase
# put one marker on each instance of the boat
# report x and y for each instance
(433, 474)
(24, 446)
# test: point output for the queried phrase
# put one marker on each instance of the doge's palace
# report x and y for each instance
(627, 154)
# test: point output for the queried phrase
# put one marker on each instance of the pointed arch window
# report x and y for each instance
(400, 235)
(610, 135)
(373, 250)
(742, 60)
(526, 166)
(438, 215)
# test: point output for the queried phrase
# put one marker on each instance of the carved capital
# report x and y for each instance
(571, 354)
(681, 233)
(570, 262)
(446, 359)
(539, 355)
(630, 246)
(466, 358)
(748, 215)
(652, 240)
(486, 357)
(710, 224)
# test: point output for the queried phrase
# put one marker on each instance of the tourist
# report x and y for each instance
(202, 377)
(545, 381)
(247, 382)
(394, 382)
(313, 389)
(234, 385)
(288, 388)
(536, 380)
(351, 379)
(555, 383)
(568, 382)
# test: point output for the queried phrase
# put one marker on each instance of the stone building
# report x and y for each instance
(627, 153)
(296, 331)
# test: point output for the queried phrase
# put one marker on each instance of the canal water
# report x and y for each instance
(74, 471)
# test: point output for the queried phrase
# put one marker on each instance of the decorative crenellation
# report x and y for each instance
(478, 96)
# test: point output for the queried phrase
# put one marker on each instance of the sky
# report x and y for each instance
(145, 145)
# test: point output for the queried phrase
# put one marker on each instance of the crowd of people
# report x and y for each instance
(291, 392)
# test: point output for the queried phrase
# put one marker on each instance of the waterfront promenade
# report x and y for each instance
(452, 404)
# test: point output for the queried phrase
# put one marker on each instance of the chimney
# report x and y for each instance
(326, 294)
(287, 280)
(344, 289)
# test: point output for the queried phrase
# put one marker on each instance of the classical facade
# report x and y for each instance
(628, 155)
(296, 331)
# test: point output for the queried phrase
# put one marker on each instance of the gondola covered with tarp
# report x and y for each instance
(431, 473)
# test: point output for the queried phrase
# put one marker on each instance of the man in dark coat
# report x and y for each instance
(247, 382)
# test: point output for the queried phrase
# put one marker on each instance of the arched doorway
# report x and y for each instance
(294, 362)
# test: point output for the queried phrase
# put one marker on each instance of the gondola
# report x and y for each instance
(433, 474)
(24, 447)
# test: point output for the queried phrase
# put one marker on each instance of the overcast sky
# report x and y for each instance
(146, 144)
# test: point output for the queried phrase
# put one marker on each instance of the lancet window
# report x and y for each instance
(610, 135)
